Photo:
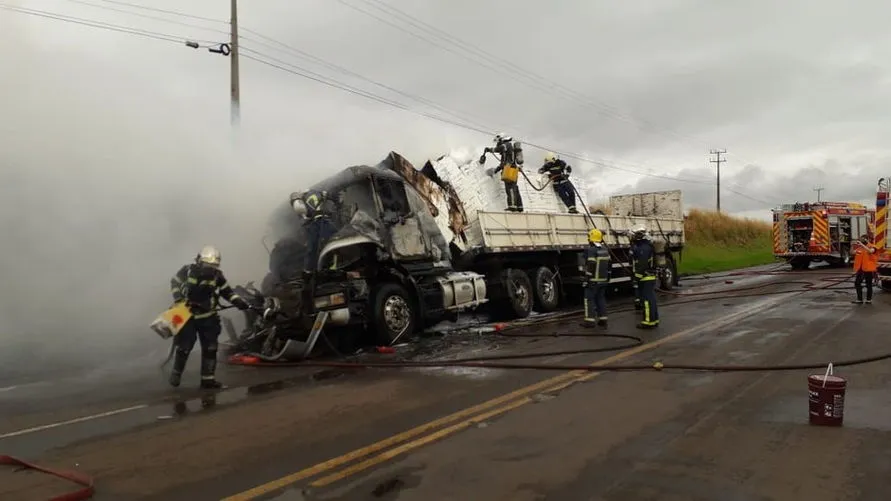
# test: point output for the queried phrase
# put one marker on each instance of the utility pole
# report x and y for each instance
(819, 190)
(717, 161)
(234, 84)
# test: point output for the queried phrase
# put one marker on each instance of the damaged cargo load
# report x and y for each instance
(413, 247)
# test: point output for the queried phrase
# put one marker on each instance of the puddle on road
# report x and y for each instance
(864, 409)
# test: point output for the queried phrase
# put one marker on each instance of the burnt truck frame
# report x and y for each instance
(390, 269)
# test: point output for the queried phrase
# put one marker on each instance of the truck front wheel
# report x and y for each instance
(394, 313)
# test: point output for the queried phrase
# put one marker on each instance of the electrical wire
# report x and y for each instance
(147, 16)
(102, 25)
(463, 122)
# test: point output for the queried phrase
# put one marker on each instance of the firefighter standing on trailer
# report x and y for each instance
(510, 165)
(200, 285)
(558, 172)
(597, 271)
(865, 267)
(643, 255)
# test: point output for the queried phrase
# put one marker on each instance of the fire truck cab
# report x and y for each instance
(820, 231)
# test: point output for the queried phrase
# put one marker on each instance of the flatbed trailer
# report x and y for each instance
(408, 242)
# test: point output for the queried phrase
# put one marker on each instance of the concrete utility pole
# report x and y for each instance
(718, 161)
(234, 84)
(819, 190)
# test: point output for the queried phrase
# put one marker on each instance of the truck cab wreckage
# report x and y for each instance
(412, 248)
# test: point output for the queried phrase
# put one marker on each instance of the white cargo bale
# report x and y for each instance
(477, 191)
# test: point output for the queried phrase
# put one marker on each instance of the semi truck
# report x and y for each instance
(820, 231)
(414, 247)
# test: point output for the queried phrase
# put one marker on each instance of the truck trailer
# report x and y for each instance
(414, 247)
(820, 231)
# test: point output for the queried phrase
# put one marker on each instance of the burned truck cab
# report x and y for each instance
(387, 266)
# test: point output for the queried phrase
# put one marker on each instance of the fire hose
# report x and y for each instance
(85, 481)
(496, 361)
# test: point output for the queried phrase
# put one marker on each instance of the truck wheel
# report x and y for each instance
(799, 264)
(546, 293)
(668, 278)
(393, 313)
(518, 293)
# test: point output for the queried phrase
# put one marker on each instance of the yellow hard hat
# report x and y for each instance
(550, 157)
(595, 236)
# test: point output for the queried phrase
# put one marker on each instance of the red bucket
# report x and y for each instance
(826, 399)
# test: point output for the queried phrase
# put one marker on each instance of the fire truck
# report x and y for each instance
(881, 233)
(819, 231)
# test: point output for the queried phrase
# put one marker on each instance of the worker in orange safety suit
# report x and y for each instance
(866, 261)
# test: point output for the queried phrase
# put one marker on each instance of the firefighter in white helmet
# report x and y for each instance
(200, 285)
(510, 165)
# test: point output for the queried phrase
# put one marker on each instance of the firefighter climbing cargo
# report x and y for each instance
(821, 231)
(558, 174)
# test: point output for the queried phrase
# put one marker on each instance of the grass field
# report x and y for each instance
(718, 242)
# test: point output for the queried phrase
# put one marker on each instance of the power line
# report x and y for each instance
(147, 16)
(290, 68)
(165, 11)
(102, 25)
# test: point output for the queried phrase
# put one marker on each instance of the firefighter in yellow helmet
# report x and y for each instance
(200, 285)
(597, 270)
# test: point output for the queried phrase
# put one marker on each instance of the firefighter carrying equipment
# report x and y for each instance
(558, 173)
(643, 256)
(866, 261)
(510, 164)
(199, 286)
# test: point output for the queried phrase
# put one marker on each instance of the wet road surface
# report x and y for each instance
(329, 434)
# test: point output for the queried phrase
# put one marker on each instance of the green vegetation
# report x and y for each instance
(718, 242)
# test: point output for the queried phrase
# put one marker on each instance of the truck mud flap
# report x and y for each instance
(297, 350)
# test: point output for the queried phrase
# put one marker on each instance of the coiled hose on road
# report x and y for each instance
(496, 361)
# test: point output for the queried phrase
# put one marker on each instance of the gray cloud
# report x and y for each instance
(119, 162)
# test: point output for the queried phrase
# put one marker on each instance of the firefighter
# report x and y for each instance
(865, 266)
(597, 270)
(510, 164)
(319, 228)
(200, 285)
(558, 172)
(643, 255)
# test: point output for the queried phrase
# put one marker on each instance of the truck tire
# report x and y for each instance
(545, 290)
(515, 295)
(668, 278)
(394, 314)
(800, 264)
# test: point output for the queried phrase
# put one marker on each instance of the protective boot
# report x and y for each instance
(180, 357)
(602, 322)
(208, 370)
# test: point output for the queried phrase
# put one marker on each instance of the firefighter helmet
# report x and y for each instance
(209, 255)
(595, 236)
(550, 157)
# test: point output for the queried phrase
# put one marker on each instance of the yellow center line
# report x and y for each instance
(511, 399)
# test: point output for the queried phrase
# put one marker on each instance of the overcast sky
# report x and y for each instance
(119, 161)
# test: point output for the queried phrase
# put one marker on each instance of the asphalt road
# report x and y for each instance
(490, 434)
